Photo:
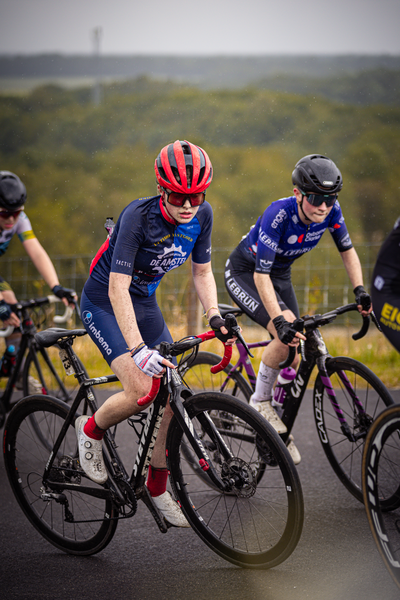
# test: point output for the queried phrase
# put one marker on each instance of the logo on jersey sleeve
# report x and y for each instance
(280, 217)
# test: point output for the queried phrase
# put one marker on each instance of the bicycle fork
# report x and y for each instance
(209, 427)
(344, 426)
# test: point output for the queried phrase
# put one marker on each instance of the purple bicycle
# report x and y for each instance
(347, 395)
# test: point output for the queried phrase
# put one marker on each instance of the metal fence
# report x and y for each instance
(319, 277)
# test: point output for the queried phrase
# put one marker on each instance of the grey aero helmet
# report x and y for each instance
(317, 174)
(12, 191)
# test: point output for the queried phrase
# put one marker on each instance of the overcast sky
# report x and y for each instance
(201, 27)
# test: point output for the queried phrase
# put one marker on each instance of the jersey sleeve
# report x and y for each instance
(130, 235)
(24, 228)
(338, 229)
(201, 252)
(272, 226)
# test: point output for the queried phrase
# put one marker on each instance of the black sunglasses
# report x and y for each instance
(318, 199)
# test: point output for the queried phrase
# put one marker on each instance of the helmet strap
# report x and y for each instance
(301, 208)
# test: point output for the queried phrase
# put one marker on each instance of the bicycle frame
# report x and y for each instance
(28, 344)
(172, 388)
(314, 352)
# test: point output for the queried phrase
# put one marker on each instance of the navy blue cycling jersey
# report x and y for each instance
(279, 236)
(146, 243)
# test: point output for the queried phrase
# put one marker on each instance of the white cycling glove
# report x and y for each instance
(148, 360)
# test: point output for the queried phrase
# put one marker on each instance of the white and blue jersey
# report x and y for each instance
(279, 237)
(22, 228)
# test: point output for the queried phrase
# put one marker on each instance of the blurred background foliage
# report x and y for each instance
(82, 163)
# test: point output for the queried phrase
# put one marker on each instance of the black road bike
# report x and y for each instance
(247, 507)
(36, 370)
(347, 396)
(381, 486)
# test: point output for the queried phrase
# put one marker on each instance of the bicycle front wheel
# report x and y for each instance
(362, 396)
(381, 486)
(73, 521)
(199, 378)
(253, 524)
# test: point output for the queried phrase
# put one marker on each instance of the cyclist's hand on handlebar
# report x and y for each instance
(67, 295)
(363, 300)
(217, 323)
(150, 361)
(287, 332)
(7, 315)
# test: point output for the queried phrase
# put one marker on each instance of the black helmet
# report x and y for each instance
(317, 174)
(12, 191)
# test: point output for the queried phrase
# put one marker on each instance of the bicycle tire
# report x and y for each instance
(381, 486)
(199, 378)
(94, 519)
(52, 378)
(252, 525)
(344, 455)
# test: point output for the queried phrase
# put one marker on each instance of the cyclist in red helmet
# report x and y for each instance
(258, 272)
(119, 309)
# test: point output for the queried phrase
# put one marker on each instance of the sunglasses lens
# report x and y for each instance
(317, 199)
(179, 199)
(6, 214)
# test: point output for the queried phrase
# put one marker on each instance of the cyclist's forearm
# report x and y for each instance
(353, 267)
(267, 294)
(42, 262)
(206, 288)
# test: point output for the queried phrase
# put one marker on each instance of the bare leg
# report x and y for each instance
(123, 404)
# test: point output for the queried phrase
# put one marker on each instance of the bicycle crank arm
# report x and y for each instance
(144, 494)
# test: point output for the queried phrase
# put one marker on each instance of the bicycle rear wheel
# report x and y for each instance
(253, 524)
(381, 486)
(353, 383)
(71, 520)
(44, 374)
(199, 378)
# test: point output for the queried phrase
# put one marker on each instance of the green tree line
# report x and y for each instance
(82, 163)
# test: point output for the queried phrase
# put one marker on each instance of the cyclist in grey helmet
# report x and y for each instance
(258, 272)
(14, 221)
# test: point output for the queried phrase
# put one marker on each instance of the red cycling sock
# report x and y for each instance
(92, 431)
(157, 481)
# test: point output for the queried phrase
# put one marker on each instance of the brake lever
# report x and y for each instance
(375, 321)
(234, 330)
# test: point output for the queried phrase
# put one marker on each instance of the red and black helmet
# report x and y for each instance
(184, 168)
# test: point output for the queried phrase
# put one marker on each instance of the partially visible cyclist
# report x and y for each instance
(14, 221)
(385, 289)
(153, 235)
(258, 272)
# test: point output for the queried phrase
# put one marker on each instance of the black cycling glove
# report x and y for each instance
(62, 292)
(362, 297)
(216, 322)
(5, 310)
(286, 331)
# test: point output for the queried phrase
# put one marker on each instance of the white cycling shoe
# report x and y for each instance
(90, 453)
(170, 510)
(266, 409)
(293, 451)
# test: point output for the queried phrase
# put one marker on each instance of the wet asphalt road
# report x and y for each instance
(335, 559)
